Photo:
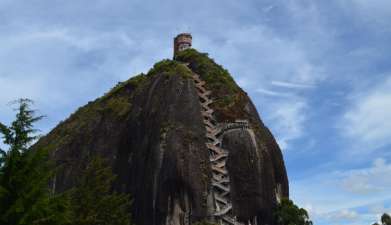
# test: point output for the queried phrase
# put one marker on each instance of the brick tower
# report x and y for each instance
(181, 42)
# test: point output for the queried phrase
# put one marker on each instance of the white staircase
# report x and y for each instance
(218, 157)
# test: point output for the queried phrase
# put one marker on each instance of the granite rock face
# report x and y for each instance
(150, 129)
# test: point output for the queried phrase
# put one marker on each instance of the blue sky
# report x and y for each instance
(319, 73)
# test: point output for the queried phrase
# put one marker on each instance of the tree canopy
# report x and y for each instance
(386, 219)
(25, 174)
(93, 201)
(287, 213)
(25, 197)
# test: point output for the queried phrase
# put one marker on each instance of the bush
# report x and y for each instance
(169, 68)
(216, 77)
(386, 219)
(229, 100)
(93, 201)
(288, 213)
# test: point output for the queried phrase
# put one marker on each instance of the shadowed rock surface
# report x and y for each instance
(151, 131)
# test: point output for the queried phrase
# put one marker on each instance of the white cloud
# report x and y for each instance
(277, 73)
(272, 93)
(374, 11)
(288, 118)
(337, 195)
(374, 179)
(291, 85)
(269, 8)
(12, 89)
(368, 120)
(246, 52)
(379, 209)
(345, 214)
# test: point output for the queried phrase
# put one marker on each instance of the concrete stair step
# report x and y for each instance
(220, 164)
(230, 220)
(223, 211)
(214, 148)
(220, 170)
(209, 123)
(220, 179)
(221, 199)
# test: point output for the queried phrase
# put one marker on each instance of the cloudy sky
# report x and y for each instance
(319, 73)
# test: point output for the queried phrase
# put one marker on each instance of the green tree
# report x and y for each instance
(287, 213)
(93, 201)
(386, 219)
(25, 198)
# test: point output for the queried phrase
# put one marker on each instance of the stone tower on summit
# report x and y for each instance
(182, 42)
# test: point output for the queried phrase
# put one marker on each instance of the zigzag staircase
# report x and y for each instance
(217, 156)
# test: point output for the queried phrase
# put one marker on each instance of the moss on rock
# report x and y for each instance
(215, 75)
(115, 104)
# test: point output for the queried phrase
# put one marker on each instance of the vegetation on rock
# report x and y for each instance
(216, 77)
(116, 104)
(170, 67)
(134, 82)
(228, 97)
(92, 200)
